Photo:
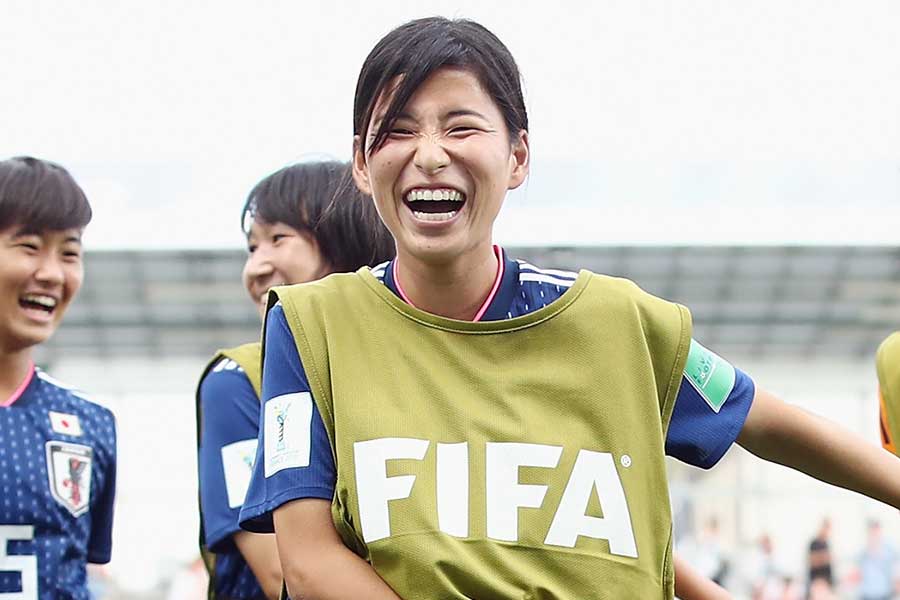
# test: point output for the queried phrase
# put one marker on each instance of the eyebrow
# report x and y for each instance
(465, 113)
(25, 232)
(462, 112)
(22, 231)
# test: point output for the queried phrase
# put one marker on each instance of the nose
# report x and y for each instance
(50, 270)
(430, 156)
(259, 266)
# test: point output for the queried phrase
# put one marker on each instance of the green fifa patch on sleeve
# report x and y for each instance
(710, 374)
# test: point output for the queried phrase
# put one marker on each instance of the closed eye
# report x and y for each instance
(399, 132)
(461, 130)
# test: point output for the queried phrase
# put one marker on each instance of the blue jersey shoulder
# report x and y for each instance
(285, 388)
(229, 428)
(708, 414)
(92, 420)
(229, 404)
(60, 456)
(57, 391)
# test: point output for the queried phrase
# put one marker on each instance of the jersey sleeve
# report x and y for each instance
(293, 457)
(710, 409)
(230, 413)
(100, 541)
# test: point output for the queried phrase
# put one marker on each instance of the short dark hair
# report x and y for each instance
(319, 199)
(417, 49)
(39, 195)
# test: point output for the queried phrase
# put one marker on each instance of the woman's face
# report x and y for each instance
(440, 177)
(279, 255)
(39, 275)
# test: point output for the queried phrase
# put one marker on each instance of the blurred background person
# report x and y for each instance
(190, 583)
(302, 222)
(764, 577)
(99, 582)
(820, 589)
(876, 567)
(819, 556)
(705, 553)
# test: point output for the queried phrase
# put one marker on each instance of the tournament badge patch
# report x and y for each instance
(287, 434)
(237, 461)
(712, 376)
(69, 469)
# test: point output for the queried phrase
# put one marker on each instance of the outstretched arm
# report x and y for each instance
(316, 563)
(787, 435)
(691, 585)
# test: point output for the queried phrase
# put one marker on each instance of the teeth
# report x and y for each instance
(45, 301)
(423, 216)
(442, 194)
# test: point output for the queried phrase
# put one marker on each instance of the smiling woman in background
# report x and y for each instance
(302, 223)
(57, 449)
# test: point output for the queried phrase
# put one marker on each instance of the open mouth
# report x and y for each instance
(435, 204)
(39, 303)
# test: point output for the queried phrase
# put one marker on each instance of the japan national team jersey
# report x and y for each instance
(711, 407)
(230, 425)
(57, 475)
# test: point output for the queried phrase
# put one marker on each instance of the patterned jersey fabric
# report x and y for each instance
(57, 476)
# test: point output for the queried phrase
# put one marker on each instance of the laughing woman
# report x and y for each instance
(57, 448)
(494, 429)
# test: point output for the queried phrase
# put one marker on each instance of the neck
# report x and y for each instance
(456, 290)
(14, 367)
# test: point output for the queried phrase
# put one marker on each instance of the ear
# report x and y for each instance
(360, 168)
(519, 160)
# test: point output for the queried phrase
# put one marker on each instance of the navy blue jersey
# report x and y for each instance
(712, 403)
(58, 477)
(230, 424)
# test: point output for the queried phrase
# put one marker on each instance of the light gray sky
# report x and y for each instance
(651, 122)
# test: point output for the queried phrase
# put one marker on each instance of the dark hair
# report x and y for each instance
(319, 199)
(417, 49)
(40, 195)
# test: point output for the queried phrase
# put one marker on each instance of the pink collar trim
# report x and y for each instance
(21, 389)
(498, 278)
